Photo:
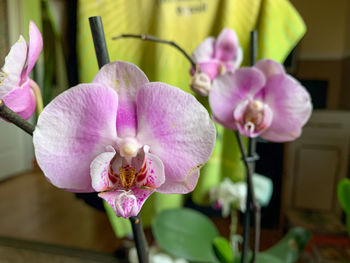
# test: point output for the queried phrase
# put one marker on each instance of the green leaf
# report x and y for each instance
(185, 233)
(267, 258)
(223, 250)
(343, 191)
(289, 248)
(261, 258)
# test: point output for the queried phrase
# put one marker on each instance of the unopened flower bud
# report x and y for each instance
(201, 83)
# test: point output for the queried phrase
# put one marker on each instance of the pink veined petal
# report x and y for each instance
(21, 100)
(151, 173)
(126, 203)
(211, 68)
(230, 89)
(179, 132)
(99, 171)
(226, 46)
(72, 130)
(291, 106)
(126, 79)
(204, 51)
(34, 47)
(270, 67)
(12, 69)
(237, 61)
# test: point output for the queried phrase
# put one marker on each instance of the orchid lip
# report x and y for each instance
(253, 117)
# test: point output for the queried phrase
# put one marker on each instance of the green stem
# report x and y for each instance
(158, 40)
(38, 97)
(14, 118)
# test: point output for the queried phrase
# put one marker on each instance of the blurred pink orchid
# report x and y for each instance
(261, 101)
(214, 57)
(15, 84)
(124, 137)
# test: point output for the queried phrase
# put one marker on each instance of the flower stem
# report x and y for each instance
(249, 162)
(101, 51)
(140, 239)
(38, 98)
(158, 40)
(252, 153)
(11, 116)
(234, 237)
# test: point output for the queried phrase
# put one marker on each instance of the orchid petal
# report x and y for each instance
(151, 173)
(226, 45)
(126, 79)
(230, 89)
(270, 67)
(99, 170)
(239, 57)
(72, 130)
(178, 130)
(236, 62)
(291, 107)
(126, 203)
(12, 69)
(34, 48)
(21, 100)
(211, 68)
(205, 51)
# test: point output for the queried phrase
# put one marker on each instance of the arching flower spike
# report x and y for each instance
(15, 84)
(124, 137)
(261, 101)
(214, 57)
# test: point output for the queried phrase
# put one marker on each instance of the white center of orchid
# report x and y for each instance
(129, 147)
(257, 105)
(253, 117)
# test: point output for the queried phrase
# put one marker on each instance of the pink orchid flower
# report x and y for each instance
(15, 84)
(214, 57)
(124, 137)
(261, 101)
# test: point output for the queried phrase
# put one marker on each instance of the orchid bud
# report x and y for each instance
(201, 83)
